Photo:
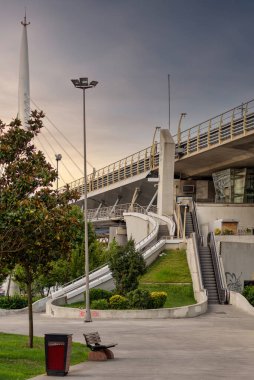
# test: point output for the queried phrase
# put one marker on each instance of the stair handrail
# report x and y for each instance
(195, 222)
(197, 259)
(180, 224)
(221, 285)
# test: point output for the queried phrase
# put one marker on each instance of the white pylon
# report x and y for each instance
(24, 84)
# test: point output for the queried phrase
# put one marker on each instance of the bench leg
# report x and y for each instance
(109, 353)
(97, 356)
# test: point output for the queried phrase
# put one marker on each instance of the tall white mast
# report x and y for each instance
(24, 85)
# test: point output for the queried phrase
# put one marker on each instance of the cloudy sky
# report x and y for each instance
(129, 47)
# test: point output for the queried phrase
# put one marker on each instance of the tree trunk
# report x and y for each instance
(30, 315)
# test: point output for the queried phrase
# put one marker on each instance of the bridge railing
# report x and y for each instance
(232, 124)
(226, 126)
(106, 213)
(137, 163)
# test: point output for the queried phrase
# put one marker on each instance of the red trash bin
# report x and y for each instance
(57, 353)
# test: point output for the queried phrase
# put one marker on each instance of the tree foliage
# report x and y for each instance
(38, 225)
(126, 265)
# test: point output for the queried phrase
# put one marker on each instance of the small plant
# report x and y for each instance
(248, 293)
(158, 299)
(119, 302)
(140, 299)
(101, 304)
(217, 231)
(227, 231)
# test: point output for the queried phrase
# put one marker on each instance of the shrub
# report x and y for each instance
(248, 293)
(126, 265)
(118, 302)
(140, 299)
(158, 299)
(99, 294)
(217, 231)
(101, 304)
(15, 302)
(227, 231)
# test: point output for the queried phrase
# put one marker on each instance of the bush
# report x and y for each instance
(15, 302)
(140, 299)
(126, 265)
(158, 299)
(118, 302)
(248, 293)
(227, 231)
(101, 304)
(99, 294)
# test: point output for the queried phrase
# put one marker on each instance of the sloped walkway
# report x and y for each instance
(217, 345)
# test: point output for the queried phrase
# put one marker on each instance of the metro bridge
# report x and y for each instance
(224, 141)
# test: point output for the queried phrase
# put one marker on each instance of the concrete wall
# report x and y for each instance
(239, 301)
(193, 262)
(238, 262)
(138, 227)
(208, 213)
(190, 311)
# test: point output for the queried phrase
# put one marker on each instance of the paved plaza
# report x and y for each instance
(217, 345)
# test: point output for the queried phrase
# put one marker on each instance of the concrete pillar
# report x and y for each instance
(165, 198)
(119, 234)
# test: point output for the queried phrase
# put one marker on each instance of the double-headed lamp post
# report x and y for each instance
(83, 84)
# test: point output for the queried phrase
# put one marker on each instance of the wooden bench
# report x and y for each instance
(99, 351)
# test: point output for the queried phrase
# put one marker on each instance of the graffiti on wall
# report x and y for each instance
(233, 282)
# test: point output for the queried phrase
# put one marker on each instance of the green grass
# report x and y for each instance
(178, 295)
(18, 362)
(166, 274)
(172, 267)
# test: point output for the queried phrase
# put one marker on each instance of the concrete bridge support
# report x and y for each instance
(165, 199)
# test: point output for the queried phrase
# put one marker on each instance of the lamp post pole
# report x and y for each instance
(82, 83)
(58, 158)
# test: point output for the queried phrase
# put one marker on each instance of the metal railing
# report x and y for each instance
(137, 163)
(228, 126)
(106, 213)
(223, 292)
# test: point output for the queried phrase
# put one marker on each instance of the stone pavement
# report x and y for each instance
(217, 345)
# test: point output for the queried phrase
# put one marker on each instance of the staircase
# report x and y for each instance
(208, 274)
(189, 224)
(163, 231)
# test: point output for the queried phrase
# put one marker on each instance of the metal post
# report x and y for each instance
(184, 222)
(88, 312)
(83, 84)
(58, 158)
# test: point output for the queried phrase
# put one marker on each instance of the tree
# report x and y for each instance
(126, 265)
(38, 225)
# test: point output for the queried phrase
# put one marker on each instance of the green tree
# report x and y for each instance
(126, 265)
(37, 224)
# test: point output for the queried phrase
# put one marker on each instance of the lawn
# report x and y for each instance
(18, 362)
(171, 267)
(169, 273)
(178, 295)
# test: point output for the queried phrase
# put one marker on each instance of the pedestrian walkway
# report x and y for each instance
(217, 345)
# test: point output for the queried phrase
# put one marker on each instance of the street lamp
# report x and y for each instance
(58, 158)
(83, 84)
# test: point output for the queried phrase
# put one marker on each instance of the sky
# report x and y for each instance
(130, 47)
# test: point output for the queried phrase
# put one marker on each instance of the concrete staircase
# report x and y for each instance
(208, 274)
(163, 231)
(189, 224)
